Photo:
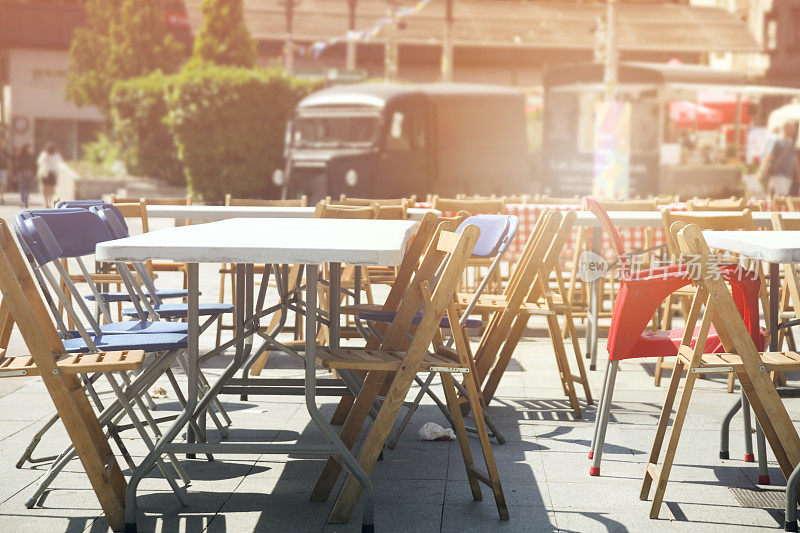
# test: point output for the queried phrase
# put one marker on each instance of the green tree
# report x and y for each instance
(120, 39)
(224, 38)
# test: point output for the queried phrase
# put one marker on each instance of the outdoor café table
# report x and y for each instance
(309, 242)
(774, 248)
(211, 213)
(643, 219)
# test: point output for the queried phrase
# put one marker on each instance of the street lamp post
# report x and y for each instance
(610, 71)
(447, 43)
(390, 51)
(288, 48)
(350, 61)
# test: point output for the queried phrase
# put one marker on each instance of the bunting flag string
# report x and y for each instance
(316, 48)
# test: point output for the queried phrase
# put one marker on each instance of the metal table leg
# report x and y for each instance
(774, 296)
(320, 421)
(193, 323)
(594, 307)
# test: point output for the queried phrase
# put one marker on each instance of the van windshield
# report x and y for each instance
(338, 130)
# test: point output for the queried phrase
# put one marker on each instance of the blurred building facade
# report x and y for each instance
(508, 42)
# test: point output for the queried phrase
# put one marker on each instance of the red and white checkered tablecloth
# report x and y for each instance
(633, 238)
(528, 214)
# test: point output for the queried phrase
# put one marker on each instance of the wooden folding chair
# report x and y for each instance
(750, 366)
(730, 220)
(528, 294)
(396, 354)
(58, 371)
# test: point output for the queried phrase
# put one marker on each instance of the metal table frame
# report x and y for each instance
(246, 324)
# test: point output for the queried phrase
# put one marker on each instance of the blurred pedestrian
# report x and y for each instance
(48, 166)
(778, 167)
(25, 170)
(5, 170)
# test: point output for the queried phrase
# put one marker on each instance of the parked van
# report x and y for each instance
(393, 140)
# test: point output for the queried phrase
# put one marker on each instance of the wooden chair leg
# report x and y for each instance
(350, 430)
(461, 433)
(563, 365)
(373, 444)
(342, 410)
(576, 348)
(663, 423)
(504, 357)
(661, 476)
(659, 370)
(486, 448)
(731, 382)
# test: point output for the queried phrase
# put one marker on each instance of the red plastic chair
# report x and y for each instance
(640, 294)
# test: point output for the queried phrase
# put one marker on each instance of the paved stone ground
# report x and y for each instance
(420, 486)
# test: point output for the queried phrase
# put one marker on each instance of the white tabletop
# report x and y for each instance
(769, 246)
(627, 219)
(210, 213)
(269, 240)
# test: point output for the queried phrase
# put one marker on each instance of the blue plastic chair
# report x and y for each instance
(121, 232)
(48, 237)
(51, 235)
(115, 223)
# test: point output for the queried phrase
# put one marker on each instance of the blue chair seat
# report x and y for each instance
(148, 343)
(143, 327)
(124, 296)
(388, 316)
(180, 310)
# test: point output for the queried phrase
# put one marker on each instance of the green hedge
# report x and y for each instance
(228, 124)
(138, 112)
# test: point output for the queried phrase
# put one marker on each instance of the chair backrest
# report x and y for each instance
(554, 200)
(600, 212)
(438, 275)
(729, 220)
(136, 210)
(297, 202)
(793, 203)
(344, 200)
(496, 230)
(629, 205)
(83, 204)
(180, 200)
(453, 205)
(76, 232)
(392, 212)
(325, 210)
(517, 199)
(113, 219)
(724, 204)
(426, 230)
(56, 234)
